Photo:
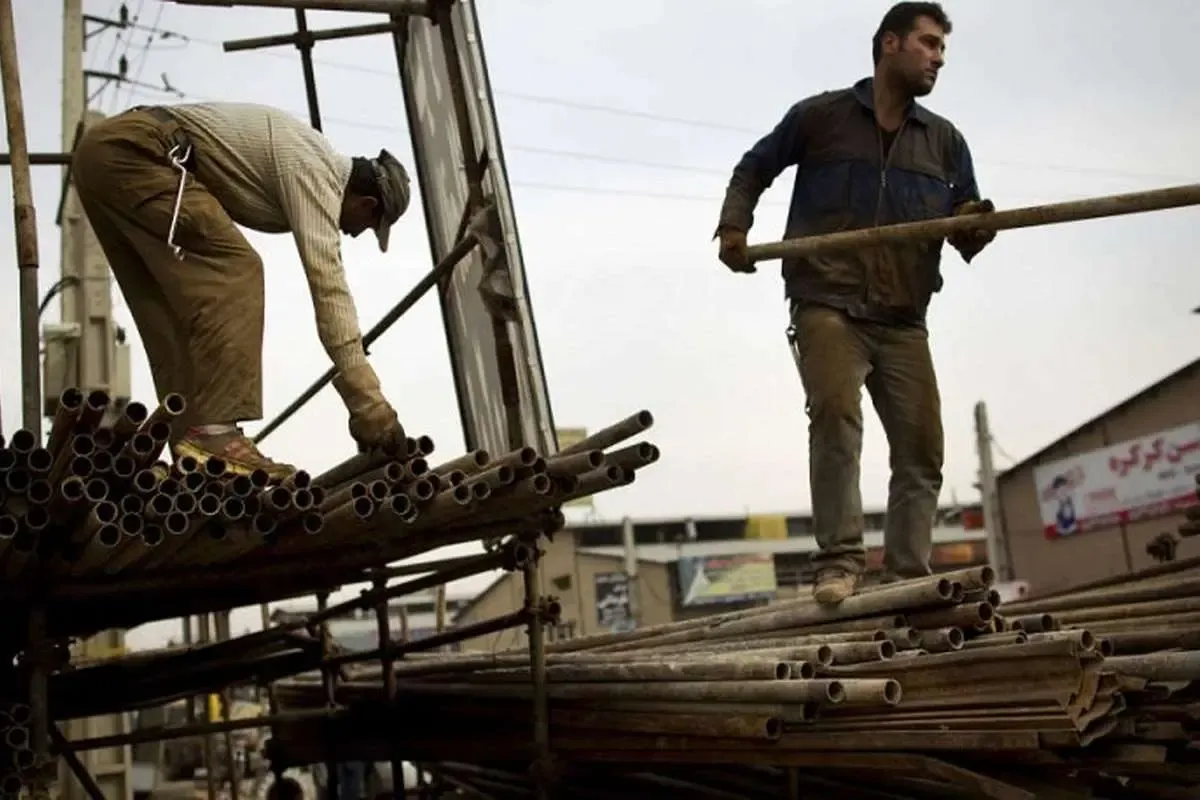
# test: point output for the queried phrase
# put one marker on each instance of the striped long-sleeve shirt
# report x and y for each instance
(274, 173)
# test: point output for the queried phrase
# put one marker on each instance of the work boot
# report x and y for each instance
(240, 454)
(834, 585)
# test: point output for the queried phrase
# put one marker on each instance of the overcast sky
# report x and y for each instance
(620, 123)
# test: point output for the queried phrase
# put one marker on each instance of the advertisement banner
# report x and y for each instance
(1143, 478)
(705, 580)
(613, 613)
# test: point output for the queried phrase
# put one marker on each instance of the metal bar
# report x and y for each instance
(462, 115)
(541, 704)
(383, 628)
(39, 159)
(400, 571)
(25, 217)
(1030, 216)
(443, 268)
(402, 7)
(221, 619)
(481, 628)
(76, 766)
(39, 700)
(328, 34)
(164, 733)
(328, 681)
(304, 43)
(204, 634)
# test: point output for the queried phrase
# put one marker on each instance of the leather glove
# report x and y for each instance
(373, 422)
(970, 243)
(733, 251)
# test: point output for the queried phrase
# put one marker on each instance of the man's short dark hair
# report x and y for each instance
(902, 18)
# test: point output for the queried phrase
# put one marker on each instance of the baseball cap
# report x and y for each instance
(394, 194)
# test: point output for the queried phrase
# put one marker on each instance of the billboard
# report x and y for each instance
(1137, 479)
(496, 360)
(709, 580)
(613, 613)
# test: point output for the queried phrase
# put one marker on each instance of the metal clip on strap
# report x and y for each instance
(179, 154)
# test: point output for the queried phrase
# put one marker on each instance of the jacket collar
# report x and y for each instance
(865, 94)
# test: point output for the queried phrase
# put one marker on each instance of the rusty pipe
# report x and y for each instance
(66, 416)
(172, 406)
(613, 434)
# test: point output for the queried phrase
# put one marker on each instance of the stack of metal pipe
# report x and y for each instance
(17, 759)
(95, 500)
(928, 667)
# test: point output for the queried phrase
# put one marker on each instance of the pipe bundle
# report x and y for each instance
(17, 759)
(97, 501)
(929, 668)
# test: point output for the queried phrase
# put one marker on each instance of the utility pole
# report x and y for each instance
(631, 570)
(997, 547)
(82, 351)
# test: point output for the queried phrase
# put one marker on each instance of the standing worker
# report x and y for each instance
(865, 156)
(163, 187)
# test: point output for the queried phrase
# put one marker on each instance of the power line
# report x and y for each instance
(691, 122)
(145, 52)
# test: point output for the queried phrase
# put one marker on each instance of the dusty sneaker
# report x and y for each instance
(240, 454)
(833, 586)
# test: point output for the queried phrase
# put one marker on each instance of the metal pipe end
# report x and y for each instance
(136, 412)
(185, 503)
(313, 522)
(103, 438)
(783, 671)
(209, 505)
(40, 492)
(824, 655)
(131, 525)
(160, 431)
(803, 670)
(174, 404)
(106, 511)
(887, 649)
(71, 399)
(39, 460)
(773, 728)
(108, 535)
(152, 535)
(892, 692)
(835, 692)
(176, 523)
(364, 507)
(22, 440)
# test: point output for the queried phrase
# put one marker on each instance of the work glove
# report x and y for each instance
(968, 243)
(733, 251)
(373, 422)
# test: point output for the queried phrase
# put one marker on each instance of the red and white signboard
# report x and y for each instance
(1139, 479)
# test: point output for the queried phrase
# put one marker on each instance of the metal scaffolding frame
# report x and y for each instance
(477, 222)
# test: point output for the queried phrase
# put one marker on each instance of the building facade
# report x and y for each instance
(687, 568)
(1092, 504)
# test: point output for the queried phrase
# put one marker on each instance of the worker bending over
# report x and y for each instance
(866, 155)
(165, 187)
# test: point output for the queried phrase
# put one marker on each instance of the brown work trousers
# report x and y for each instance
(837, 356)
(200, 317)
